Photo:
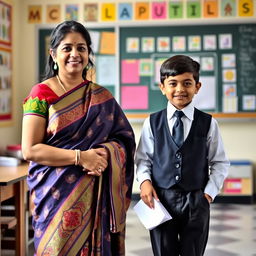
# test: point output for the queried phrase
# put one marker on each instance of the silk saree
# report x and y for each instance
(75, 213)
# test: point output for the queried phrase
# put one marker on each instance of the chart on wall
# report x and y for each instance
(6, 87)
(226, 54)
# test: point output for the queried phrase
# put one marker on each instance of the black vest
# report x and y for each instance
(186, 166)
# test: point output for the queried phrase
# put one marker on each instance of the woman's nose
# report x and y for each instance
(74, 52)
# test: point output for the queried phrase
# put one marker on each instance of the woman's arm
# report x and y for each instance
(33, 149)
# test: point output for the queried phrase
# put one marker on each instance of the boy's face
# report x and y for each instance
(180, 89)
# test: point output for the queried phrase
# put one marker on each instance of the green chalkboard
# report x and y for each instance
(226, 52)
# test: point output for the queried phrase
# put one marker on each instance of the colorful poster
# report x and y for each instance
(91, 12)
(163, 44)
(229, 75)
(5, 85)
(207, 63)
(228, 8)
(225, 41)
(71, 12)
(5, 23)
(228, 60)
(210, 42)
(249, 102)
(132, 44)
(179, 43)
(229, 90)
(194, 43)
(146, 67)
(148, 44)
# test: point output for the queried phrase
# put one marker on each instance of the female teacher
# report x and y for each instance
(80, 147)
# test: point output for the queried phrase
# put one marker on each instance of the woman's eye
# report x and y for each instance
(81, 49)
(66, 48)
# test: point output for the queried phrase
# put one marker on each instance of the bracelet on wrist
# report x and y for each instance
(78, 156)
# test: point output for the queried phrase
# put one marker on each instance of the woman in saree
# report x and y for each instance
(80, 147)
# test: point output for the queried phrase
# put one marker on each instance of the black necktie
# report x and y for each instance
(177, 130)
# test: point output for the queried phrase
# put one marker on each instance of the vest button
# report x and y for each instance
(177, 166)
(178, 155)
(177, 177)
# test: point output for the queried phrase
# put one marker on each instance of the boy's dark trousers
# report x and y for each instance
(186, 234)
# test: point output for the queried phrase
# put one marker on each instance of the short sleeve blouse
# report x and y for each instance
(38, 100)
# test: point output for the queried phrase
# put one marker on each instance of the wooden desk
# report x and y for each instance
(12, 184)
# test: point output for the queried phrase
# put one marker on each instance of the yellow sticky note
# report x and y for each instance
(245, 8)
(108, 43)
(108, 12)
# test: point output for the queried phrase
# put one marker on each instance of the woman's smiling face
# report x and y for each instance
(72, 54)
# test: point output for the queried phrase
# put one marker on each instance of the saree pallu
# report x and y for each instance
(75, 213)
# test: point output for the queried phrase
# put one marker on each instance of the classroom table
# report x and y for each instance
(13, 184)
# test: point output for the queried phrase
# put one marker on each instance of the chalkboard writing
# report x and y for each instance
(247, 57)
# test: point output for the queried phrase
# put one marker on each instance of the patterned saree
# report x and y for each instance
(75, 213)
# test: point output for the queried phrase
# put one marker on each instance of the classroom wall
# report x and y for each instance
(10, 133)
(239, 136)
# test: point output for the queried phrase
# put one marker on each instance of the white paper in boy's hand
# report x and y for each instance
(151, 218)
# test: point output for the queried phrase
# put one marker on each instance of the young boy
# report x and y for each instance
(181, 162)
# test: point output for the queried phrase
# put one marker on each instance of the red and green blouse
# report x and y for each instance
(38, 101)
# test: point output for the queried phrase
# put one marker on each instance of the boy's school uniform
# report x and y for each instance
(178, 163)
(181, 176)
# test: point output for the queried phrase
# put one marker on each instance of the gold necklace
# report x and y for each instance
(61, 84)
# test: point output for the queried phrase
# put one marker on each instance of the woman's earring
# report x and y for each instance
(55, 66)
(87, 67)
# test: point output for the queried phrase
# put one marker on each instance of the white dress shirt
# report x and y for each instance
(217, 160)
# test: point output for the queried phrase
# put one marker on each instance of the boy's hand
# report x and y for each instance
(147, 193)
(209, 198)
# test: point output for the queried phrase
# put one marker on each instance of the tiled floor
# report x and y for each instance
(232, 232)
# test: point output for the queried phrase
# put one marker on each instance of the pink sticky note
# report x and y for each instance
(134, 97)
(159, 10)
(130, 72)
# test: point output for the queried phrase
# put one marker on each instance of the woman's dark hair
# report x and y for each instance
(178, 65)
(57, 36)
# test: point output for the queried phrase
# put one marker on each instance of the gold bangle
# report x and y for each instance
(78, 156)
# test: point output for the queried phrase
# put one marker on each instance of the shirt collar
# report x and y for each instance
(188, 111)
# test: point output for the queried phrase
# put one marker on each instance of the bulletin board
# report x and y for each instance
(226, 53)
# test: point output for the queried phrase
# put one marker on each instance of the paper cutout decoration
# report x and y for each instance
(134, 97)
(107, 43)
